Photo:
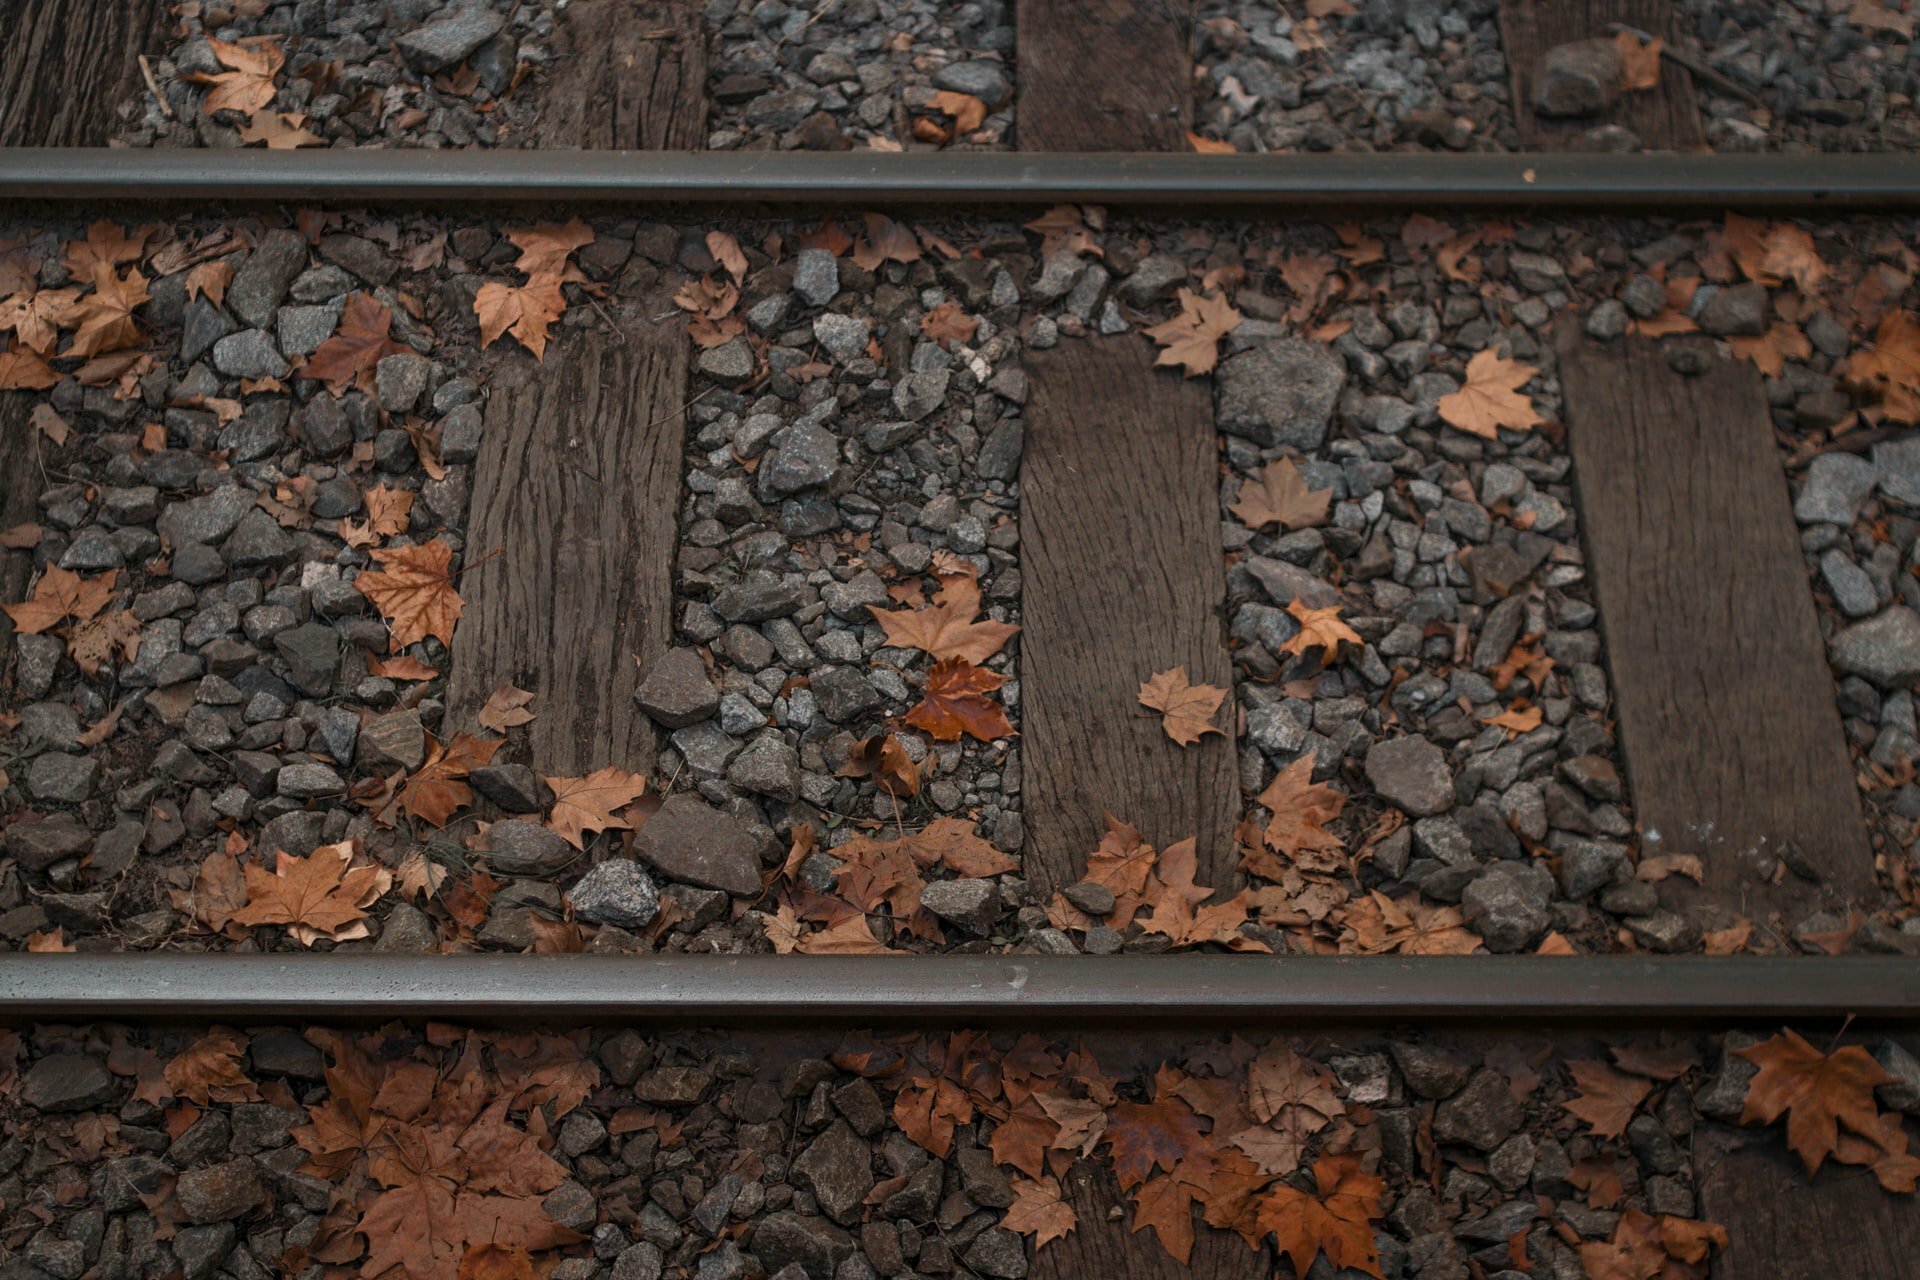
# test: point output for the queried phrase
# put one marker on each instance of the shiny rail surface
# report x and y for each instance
(1114, 992)
(1244, 184)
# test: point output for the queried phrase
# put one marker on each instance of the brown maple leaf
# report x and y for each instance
(1319, 629)
(1639, 62)
(434, 792)
(1819, 1093)
(885, 241)
(1159, 1134)
(1381, 926)
(58, 595)
(1191, 339)
(107, 243)
(36, 317)
(946, 628)
(414, 592)
(388, 510)
(1040, 1210)
(1337, 1222)
(1771, 350)
(955, 701)
(24, 370)
(98, 641)
(351, 355)
(1280, 496)
(209, 1070)
(506, 708)
(1607, 1099)
(1491, 397)
(954, 844)
(1301, 810)
(527, 311)
(319, 896)
(248, 86)
(545, 247)
(1186, 710)
(210, 280)
(280, 130)
(1891, 366)
(947, 324)
(882, 758)
(103, 320)
(589, 803)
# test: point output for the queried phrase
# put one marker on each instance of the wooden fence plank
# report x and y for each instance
(1728, 723)
(632, 74)
(1105, 75)
(1666, 118)
(576, 497)
(1124, 577)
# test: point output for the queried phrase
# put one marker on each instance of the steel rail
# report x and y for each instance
(1242, 183)
(1113, 992)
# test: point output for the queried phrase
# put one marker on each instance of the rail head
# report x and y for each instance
(1116, 992)
(1247, 185)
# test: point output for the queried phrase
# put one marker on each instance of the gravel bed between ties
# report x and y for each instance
(273, 1151)
(226, 728)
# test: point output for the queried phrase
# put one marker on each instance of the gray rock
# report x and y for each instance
(1411, 773)
(308, 780)
(762, 601)
(1482, 1115)
(1506, 904)
(445, 42)
(219, 1192)
(1884, 649)
(249, 354)
(312, 654)
(60, 778)
(396, 740)
(844, 337)
(678, 692)
(202, 325)
(838, 1169)
(399, 380)
(816, 277)
(999, 1253)
(1584, 867)
(67, 1082)
(514, 787)
(802, 456)
(301, 330)
(1607, 320)
(768, 767)
(844, 693)
(1281, 392)
(919, 394)
(619, 893)
(1580, 78)
(1896, 464)
(322, 426)
(974, 903)
(692, 841)
(812, 1243)
(260, 285)
(1835, 486)
(1737, 311)
(258, 542)
(986, 81)
(1903, 1093)
(35, 846)
(729, 364)
(1154, 280)
(522, 847)
(1852, 587)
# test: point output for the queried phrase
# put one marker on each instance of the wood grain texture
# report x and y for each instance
(1666, 118)
(20, 484)
(1105, 75)
(632, 74)
(1124, 577)
(1107, 1248)
(1784, 1226)
(66, 65)
(1732, 739)
(577, 487)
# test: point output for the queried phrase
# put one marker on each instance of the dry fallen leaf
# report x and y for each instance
(1607, 1099)
(1038, 1210)
(1491, 397)
(1319, 628)
(316, 897)
(1191, 339)
(946, 628)
(363, 339)
(60, 594)
(280, 130)
(589, 803)
(527, 311)
(1187, 710)
(955, 701)
(413, 591)
(1280, 496)
(248, 85)
(1639, 62)
(435, 791)
(506, 708)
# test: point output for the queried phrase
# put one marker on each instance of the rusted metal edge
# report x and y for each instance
(1247, 184)
(1115, 992)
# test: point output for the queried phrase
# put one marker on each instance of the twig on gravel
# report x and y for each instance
(153, 86)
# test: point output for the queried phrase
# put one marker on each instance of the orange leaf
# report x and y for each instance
(413, 592)
(1186, 710)
(948, 324)
(1191, 339)
(349, 357)
(587, 804)
(1640, 63)
(316, 896)
(946, 629)
(506, 708)
(1039, 1210)
(527, 311)
(1491, 397)
(1301, 808)
(1819, 1093)
(956, 702)
(1280, 496)
(60, 594)
(1607, 1098)
(435, 791)
(1319, 628)
(1337, 1221)
(968, 112)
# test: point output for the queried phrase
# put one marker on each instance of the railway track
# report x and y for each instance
(1705, 746)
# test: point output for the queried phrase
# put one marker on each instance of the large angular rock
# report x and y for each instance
(1836, 485)
(1507, 904)
(67, 1082)
(678, 692)
(694, 842)
(205, 519)
(220, 1192)
(618, 893)
(1281, 392)
(815, 1244)
(522, 847)
(261, 283)
(1580, 78)
(1482, 1115)
(1884, 649)
(1411, 773)
(838, 1168)
(444, 42)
